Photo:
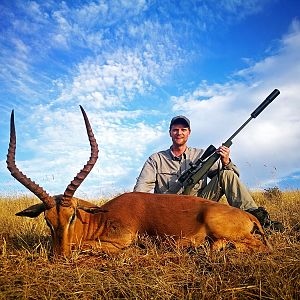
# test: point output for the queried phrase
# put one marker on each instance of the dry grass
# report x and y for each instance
(151, 272)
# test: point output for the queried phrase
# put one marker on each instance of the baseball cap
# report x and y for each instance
(180, 120)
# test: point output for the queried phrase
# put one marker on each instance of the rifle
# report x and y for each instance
(198, 169)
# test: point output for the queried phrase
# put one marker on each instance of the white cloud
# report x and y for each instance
(118, 79)
(91, 25)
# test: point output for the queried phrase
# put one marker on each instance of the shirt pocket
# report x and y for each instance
(165, 178)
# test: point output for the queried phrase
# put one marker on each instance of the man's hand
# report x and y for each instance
(224, 153)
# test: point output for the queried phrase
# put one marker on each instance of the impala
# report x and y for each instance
(115, 225)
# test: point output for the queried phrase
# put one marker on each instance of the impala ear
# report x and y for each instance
(92, 209)
(32, 211)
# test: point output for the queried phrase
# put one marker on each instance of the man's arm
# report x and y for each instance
(147, 178)
(226, 161)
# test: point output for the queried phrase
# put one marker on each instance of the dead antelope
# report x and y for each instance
(115, 225)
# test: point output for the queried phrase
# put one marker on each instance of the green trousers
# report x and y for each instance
(227, 183)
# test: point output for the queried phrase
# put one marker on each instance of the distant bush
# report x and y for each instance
(273, 193)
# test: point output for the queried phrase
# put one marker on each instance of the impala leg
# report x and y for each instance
(251, 244)
(218, 245)
(103, 246)
(109, 244)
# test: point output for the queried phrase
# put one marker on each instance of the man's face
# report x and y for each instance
(179, 134)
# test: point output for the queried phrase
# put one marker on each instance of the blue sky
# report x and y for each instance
(133, 65)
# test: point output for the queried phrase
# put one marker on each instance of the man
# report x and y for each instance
(162, 169)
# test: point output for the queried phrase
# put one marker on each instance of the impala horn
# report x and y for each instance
(17, 174)
(75, 183)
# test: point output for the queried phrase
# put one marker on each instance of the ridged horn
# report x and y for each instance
(17, 174)
(75, 183)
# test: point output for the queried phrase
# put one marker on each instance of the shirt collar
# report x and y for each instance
(179, 158)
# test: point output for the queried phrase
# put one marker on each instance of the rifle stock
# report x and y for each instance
(193, 175)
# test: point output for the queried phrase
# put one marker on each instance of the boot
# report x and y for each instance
(264, 219)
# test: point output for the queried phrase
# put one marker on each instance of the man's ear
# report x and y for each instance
(32, 211)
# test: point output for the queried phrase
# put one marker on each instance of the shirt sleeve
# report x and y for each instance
(233, 167)
(147, 178)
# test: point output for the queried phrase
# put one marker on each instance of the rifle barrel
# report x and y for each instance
(265, 103)
(236, 133)
(256, 112)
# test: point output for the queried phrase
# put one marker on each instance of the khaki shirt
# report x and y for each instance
(162, 169)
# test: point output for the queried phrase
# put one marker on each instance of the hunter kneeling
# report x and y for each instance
(161, 171)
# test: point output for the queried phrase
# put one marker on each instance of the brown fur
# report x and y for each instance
(189, 220)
